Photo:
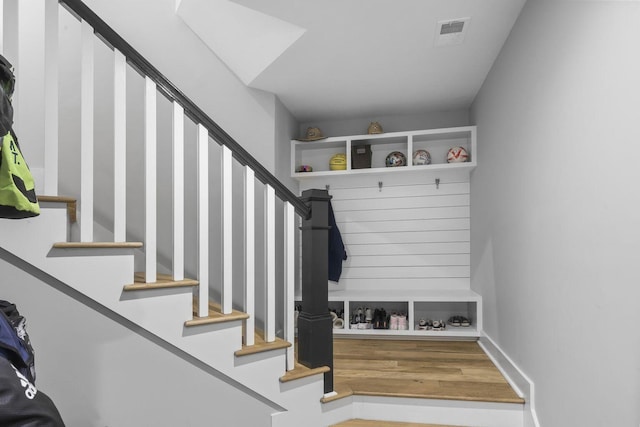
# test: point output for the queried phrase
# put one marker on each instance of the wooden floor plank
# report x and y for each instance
(419, 369)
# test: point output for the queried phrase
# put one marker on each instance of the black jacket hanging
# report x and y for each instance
(337, 252)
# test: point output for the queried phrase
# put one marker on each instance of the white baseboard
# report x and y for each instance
(522, 385)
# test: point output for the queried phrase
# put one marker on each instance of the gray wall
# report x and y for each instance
(153, 28)
(390, 123)
(555, 228)
(101, 373)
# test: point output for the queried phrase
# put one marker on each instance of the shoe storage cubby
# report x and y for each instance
(456, 318)
(414, 306)
(378, 315)
(437, 142)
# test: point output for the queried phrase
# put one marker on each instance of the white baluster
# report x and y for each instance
(270, 251)
(9, 48)
(289, 271)
(250, 254)
(178, 191)
(51, 98)
(227, 234)
(86, 133)
(2, 26)
(150, 171)
(119, 146)
(203, 221)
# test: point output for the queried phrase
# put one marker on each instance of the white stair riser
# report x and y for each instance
(462, 413)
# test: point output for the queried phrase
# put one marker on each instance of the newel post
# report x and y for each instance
(315, 326)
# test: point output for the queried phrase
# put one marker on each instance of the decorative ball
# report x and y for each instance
(457, 155)
(421, 157)
(305, 168)
(338, 162)
(395, 158)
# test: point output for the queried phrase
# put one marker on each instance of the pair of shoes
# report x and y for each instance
(438, 325)
(398, 322)
(362, 318)
(425, 324)
(380, 320)
(459, 321)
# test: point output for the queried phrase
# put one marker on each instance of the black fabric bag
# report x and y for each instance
(15, 345)
(21, 404)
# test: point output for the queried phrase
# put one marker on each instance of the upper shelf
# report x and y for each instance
(437, 142)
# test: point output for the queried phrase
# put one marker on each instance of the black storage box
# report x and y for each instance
(360, 156)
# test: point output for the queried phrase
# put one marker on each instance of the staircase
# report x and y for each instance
(150, 247)
(228, 323)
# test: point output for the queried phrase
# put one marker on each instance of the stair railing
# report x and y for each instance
(124, 55)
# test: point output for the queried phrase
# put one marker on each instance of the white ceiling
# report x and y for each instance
(335, 59)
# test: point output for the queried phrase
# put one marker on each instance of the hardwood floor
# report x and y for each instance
(457, 370)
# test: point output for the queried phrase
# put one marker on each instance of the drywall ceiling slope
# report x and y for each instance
(244, 39)
(363, 57)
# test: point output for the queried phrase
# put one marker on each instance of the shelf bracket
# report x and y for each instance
(437, 183)
(380, 186)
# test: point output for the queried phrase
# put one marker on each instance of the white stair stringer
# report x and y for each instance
(100, 274)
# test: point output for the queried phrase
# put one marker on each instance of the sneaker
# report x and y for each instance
(393, 322)
(353, 324)
(454, 321)
(438, 325)
(385, 319)
(402, 322)
(377, 319)
(425, 324)
(368, 315)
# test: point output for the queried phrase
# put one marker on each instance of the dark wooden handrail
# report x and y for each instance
(136, 60)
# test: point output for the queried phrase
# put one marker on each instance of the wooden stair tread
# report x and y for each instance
(215, 315)
(341, 390)
(56, 199)
(260, 345)
(358, 422)
(162, 281)
(300, 371)
(69, 201)
(97, 245)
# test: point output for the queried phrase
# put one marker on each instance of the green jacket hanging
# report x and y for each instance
(17, 188)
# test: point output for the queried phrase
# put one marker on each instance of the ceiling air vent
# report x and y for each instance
(451, 31)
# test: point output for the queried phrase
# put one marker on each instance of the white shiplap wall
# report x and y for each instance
(408, 234)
